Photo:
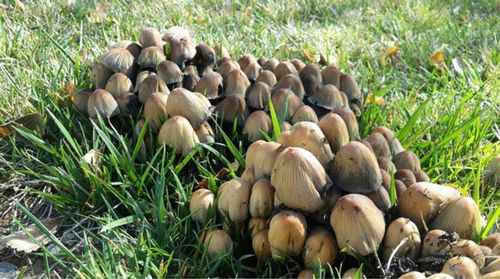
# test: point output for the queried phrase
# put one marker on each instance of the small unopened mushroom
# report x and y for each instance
(413, 275)
(380, 198)
(226, 68)
(491, 275)
(335, 130)
(304, 113)
(306, 274)
(298, 64)
(355, 169)
(436, 243)
(183, 140)
(132, 47)
(351, 274)
(270, 64)
(379, 145)
(492, 267)
(221, 54)
(311, 70)
(246, 60)
(285, 99)
(440, 276)
(465, 224)
(461, 267)
(287, 233)
(102, 103)
(386, 164)
(309, 136)
(285, 68)
(267, 77)
(320, 248)
(210, 85)
(128, 103)
(155, 110)
(249, 175)
(491, 240)
(150, 85)
(469, 249)
(141, 77)
(261, 246)
(291, 82)
(151, 57)
(405, 176)
(261, 156)
(421, 176)
(119, 60)
(117, 84)
(407, 160)
(358, 224)
(257, 224)
(236, 83)
(218, 243)
(253, 71)
(233, 199)
(181, 45)
(492, 172)
(100, 75)
(258, 95)
(257, 123)
(392, 140)
(187, 104)
(201, 201)
(331, 75)
(403, 234)
(350, 121)
(170, 73)
(328, 97)
(350, 87)
(205, 56)
(261, 198)
(299, 178)
(81, 99)
(422, 200)
(150, 37)
(190, 81)
(205, 133)
(233, 108)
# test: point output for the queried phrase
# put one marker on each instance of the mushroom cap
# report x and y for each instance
(252, 71)
(133, 48)
(492, 172)
(176, 32)
(233, 108)
(262, 198)
(350, 87)
(210, 85)
(261, 246)
(81, 99)
(311, 70)
(320, 248)
(261, 156)
(267, 77)
(141, 77)
(118, 83)
(291, 82)
(218, 243)
(150, 85)
(421, 176)
(205, 55)
(181, 50)
(491, 240)
(386, 164)
(304, 113)
(436, 243)
(287, 233)
(149, 36)
(331, 75)
(205, 133)
(284, 68)
(355, 169)
(151, 57)
(285, 99)
(234, 196)
(128, 103)
(258, 95)
(100, 75)
(465, 223)
(270, 64)
(358, 224)
(469, 249)
(335, 130)
(328, 97)
(155, 110)
(190, 81)
(226, 68)
(221, 54)
(397, 231)
(118, 60)
(183, 140)
(405, 176)
(298, 64)
(413, 275)
(258, 122)
(236, 84)
(200, 203)
(392, 140)
(189, 105)
(379, 145)
(299, 178)
(246, 60)
(257, 224)
(380, 198)
(169, 72)
(461, 267)
(350, 121)
(422, 200)
(407, 160)
(351, 274)
(309, 136)
(102, 102)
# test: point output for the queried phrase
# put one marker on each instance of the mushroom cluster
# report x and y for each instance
(315, 193)
(169, 82)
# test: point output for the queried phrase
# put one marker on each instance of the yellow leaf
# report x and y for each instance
(309, 55)
(392, 51)
(437, 57)
(6, 130)
(375, 99)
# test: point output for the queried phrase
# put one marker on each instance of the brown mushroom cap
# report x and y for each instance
(386, 164)
(270, 64)
(100, 75)
(236, 84)
(150, 85)
(200, 203)
(234, 196)
(320, 248)
(246, 60)
(119, 60)
(405, 176)
(280, 98)
(169, 72)
(210, 85)
(117, 84)
(328, 97)
(226, 68)
(267, 77)
(421, 176)
(188, 104)
(183, 140)
(141, 77)
(355, 169)
(304, 113)
(350, 87)
(349, 120)
(155, 110)
(392, 140)
(491, 240)
(492, 172)
(298, 178)
(407, 160)
(461, 267)
(218, 243)
(205, 133)
(412, 275)
(261, 156)
(298, 64)
(257, 224)
(81, 99)
(331, 75)
(222, 54)
(379, 145)
(469, 249)
(287, 233)
(102, 103)
(358, 224)
(335, 130)
(436, 243)
(253, 71)
(291, 82)
(262, 198)
(380, 198)
(311, 70)
(257, 123)
(284, 68)
(399, 230)
(150, 37)
(128, 103)
(205, 56)
(233, 108)
(151, 57)
(258, 95)
(133, 48)
(261, 246)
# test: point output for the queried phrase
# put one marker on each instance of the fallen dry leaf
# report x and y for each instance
(391, 52)
(27, 240)
(375, 99)
(33, 122)
(437, 59)
(309, 55)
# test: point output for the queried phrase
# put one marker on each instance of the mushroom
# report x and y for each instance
(257, 224)
(285, 99)
(205, 133)
(151, 57)
(133, 48)
(187, 104)
(233, 108)
(218, 243)
(405, 176)
(181, 45)
(210, 85)
(141, 77)
(201, 202)
(128, 103)
(299, 178)
(253, 71)
(403, 234)
(170, 73)
(358, 224)
(287, 233)
(221, 54)
(421, 176)
(469, 249)
(492, 172)
(331, 75)
(233, 201)
(351, 274)
(119, 60)
(155, 110)
(413, 275)
(491, 240)
(335, 130)
(117, 84)
(284, 68)
(258, 95)
(350, 87)
(320, 248)
(291, 82)
(246, 60)
(81, 99)
(267, 77)
(149, 37)
(100, 75)
(205, 56)
(236, 84)
(261, 156)
(379, 145)
(407, 160)
(270, 64)
(183, 140)
(327, 98)
(102, 103)
(386, 164)
(380, 198)
(461, 267)
(190, 81)
(257, 123)
(304, 113)
(150, 85)
(436, 243)
(355, 169)
(261, 246)
(349, 120)
(226, 68)
(298, 64)
(311, 79)
(392, 140)
(261, 198)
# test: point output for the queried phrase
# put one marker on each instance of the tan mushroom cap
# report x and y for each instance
(331, 75)
(133, 48)
(100, 75)
(320, 248)
(205, 133)
(246, 60)
(262, 198)
(141, 77)
(335, 130)
(349, 120)
(391, 138)
(298, 64)
(328, 97)
(261, 156)
(287, 233)
(270, 64)
(351, 88)
(236, 84)
(399, 230)
(304, 113)
(210, 85)
(407, 160)
(358, 224)
(461, 267)
(261, 245)
(81, 99)
(233, 200)
(200, 203)
(253, 71)
(169, 72)
(152, 84)
(149, 36)
(189, 105)
(355, 169)
(226, 68)
(155, 110)
(151, 57)
(118, 60)
(298, 178)
(267, 77)
(284, 68)
(379, 145)
(183, 140)
(102, 103)
(285, 96)
(291, 82)
(258, 95)
(218, 243)
(257, 224)
(118, 83)
(233, 108)
(257, 123)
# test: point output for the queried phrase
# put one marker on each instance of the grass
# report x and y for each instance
(128, 215)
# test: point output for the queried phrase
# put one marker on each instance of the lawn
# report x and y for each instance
(434, 65)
